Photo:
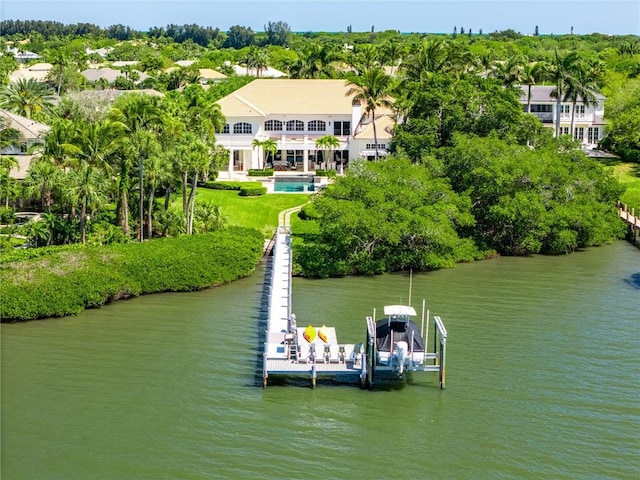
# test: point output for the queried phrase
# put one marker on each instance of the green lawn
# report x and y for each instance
(629, 175)
(256, 212)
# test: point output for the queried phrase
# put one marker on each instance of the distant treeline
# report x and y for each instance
(49, 29)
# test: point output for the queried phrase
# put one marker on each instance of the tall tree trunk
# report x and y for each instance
(83, 222)
(47, 200)
(141, 199)
(167, 198)
(122, 208)
(573, 120)
(191, 204)
(375, 134)
(185, 181)
(558, 104)
(152, 193)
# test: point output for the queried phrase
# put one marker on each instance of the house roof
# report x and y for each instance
(110, 95)
(542, 93)
(268, 72)
(109, 74)
(185, 63)
(40, 67)
(28, 128)
(125, 63)
(384, 129)
(264, 97)
(210, 74)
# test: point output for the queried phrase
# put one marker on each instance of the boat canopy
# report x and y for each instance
(399, 311)
(389, 332)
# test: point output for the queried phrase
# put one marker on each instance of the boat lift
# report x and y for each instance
(312, 351)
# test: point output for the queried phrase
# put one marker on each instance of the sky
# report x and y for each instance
(615, 17)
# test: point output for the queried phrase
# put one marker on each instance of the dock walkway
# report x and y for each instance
(286, 350)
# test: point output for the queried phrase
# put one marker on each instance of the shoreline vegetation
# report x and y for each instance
(469, 173)
(66, 280)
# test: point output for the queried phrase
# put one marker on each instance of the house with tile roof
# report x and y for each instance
(295, 114)
(589, 119)
(37, 72)
(32, 133)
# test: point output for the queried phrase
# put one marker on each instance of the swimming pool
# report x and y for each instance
(298, 185)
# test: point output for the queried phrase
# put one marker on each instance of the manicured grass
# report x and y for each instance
(629, 175)
(254, 212)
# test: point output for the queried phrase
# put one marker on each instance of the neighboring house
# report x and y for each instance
(208, 75)
(296, 113)
(32, 133)
(109, 74)
(22, 57)
(589, 121)
(185, 63)
(37, 72)
(268, 72)
(124, 63)
(103, 52)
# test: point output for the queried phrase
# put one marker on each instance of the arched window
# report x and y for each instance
(273, 126)
(242, 127)
(317, 126)
(225, 129)
(295, 126)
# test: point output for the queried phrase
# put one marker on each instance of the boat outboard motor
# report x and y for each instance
(401, 355)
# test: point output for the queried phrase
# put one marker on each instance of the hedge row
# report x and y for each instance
(68, 281)
(265, 172)
(326, 173)
(253, 190)
(228, 185)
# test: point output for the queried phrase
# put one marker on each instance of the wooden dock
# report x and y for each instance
(633, 223)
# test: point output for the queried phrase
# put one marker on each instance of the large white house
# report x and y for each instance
(296, 113)
(589, 123)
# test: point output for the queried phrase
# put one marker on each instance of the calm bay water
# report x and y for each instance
(543, 381)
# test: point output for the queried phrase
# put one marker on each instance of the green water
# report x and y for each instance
(543, 381)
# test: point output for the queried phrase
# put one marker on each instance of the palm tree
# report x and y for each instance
(193, 159)
(268, 146)
(510, 72)
(93, 143)
(142, 116)
(42, 179)
(581, 86)
(561, 71)
(392, 53)
(365, 56)
(9, 137)
(532, 73)
(314, 61)
(28, 98)
(428, 57)
(58, 142)
(372, 89)
(256, 59)
(88, 187)
(328, 142)
(61, 61)
(157, 173)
